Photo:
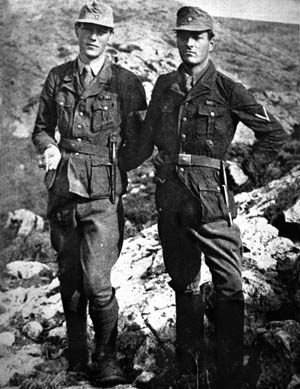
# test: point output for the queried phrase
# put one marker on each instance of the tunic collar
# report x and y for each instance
(95, 66)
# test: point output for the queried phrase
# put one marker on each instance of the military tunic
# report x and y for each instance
(86, 227)
(194, 131)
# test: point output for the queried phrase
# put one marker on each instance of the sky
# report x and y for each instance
(284, 11)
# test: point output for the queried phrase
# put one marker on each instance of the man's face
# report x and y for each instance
(92, 40)
(194, 47)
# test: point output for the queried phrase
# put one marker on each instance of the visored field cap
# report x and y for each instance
(193, 19)
(96, 12)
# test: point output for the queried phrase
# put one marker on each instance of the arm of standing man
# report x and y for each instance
(268, 131)
(133, 111)
(43, 135)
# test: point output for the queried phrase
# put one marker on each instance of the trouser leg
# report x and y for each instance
(65, 239)
(184, 238)
(229, 322)
(102, 225)
(182, 258)
(223, 253)
(76, 324)
(189, 332)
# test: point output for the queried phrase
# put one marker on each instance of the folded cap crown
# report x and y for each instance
(193, 19)
(96, 12)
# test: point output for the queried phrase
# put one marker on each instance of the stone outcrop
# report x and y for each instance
(32, 322)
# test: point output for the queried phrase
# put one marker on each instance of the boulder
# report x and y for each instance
(26, 269)
(25, 221)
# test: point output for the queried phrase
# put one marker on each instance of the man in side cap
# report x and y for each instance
(96, 107)
(192, 118)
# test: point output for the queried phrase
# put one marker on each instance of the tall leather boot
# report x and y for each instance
(107, 371)
(229, 324)
(76, 323)
(189, 332)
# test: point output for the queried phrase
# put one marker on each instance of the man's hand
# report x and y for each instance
(158, 160)
(51, 157)
(236, 174)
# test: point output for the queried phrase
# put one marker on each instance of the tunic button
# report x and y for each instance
(105, 108)
(76, 153)
(183, 136)
(184, 119)
(181, 169)
(78, 139)
(79, 126)
(81, 113)
(212, 114)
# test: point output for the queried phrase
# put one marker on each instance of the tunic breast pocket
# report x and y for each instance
(169, 115)
(167, 111)
(64, 107)
(105, 113)
(211, 119)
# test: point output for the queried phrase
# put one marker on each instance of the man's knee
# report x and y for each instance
(102, 298)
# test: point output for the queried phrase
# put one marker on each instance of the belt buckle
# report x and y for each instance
(184, 159)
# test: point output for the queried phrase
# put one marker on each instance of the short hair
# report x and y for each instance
(110, 29)
(210, 33)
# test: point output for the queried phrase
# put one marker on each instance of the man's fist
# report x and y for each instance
(51, 157)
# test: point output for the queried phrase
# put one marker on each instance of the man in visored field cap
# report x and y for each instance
(97, 108)
(192, 118)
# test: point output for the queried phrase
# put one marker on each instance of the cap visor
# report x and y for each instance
(194, 27)
(95, 21)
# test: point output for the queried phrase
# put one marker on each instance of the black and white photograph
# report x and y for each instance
(150, 194)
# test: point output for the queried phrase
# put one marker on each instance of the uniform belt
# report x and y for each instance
(197, 160)
(82, 147)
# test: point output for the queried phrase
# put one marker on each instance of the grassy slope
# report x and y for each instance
(38, 34)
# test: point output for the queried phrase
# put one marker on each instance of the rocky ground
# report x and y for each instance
(33, 339)
(37, 35)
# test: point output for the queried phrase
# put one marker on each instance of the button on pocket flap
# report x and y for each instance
(167, 107)
(62, 100)
(100, 105)
(211, 111)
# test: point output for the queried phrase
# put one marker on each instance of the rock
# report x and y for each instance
(20, 363)
(292, 214)
(145, 377)
(34, 350)
(58, 333)
(279, 346)
(271, 199)
(7, 338)
(295, 382)
(144, 359)
(25, 221)
(26, 269)
(33, 330)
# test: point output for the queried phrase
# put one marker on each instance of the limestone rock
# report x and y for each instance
(25, 221)
(7, 338)
(26, 269)
(33, 330)
(279, 346)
